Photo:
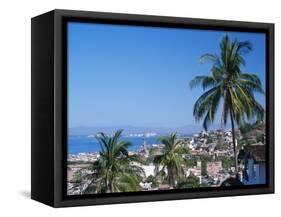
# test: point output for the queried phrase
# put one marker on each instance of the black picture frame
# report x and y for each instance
(49, 107)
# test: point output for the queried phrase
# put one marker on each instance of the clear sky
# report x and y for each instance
(139, 76)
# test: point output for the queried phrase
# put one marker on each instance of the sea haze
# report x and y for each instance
(82, 139)
(187, 129)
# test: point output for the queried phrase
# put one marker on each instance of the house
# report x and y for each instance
(255, 164)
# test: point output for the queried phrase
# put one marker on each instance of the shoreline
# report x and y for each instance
(209, 164)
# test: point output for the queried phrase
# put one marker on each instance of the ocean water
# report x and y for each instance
(83, 144)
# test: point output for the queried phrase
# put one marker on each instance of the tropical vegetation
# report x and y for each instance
(171, 158)
(115, 170)
(229, 86)
(226, 87)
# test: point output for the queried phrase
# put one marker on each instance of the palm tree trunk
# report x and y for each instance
(173, 179)
(221, 137)
(233, 141)
(107, 183)
(111, 186)
(223, 112)
(170, 176)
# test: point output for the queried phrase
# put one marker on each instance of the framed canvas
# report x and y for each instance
(134, 108)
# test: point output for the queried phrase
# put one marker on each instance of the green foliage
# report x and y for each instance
(162, 177)
(229, 86)
(245, 128)
(114, 171)
(252, 133)
(260, 138)
(190, 162)
(171, 157)
(227, 162)
(78, 177)
(153, 180)
(220, 143)
(244, 142)
(190, 182)
(204, 160)
(204, 185)
(92, 190)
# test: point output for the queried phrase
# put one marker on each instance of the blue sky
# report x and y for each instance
(127, 75)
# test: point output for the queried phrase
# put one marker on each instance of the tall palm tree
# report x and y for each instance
(115, 171)
(229, 86)
(170, 157)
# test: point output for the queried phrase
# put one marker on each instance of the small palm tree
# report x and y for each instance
(171, 158)
(228, 85)
(115, 170)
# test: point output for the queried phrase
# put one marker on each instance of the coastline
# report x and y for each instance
(209, 164)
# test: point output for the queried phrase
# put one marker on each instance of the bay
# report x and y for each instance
(85, 144)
